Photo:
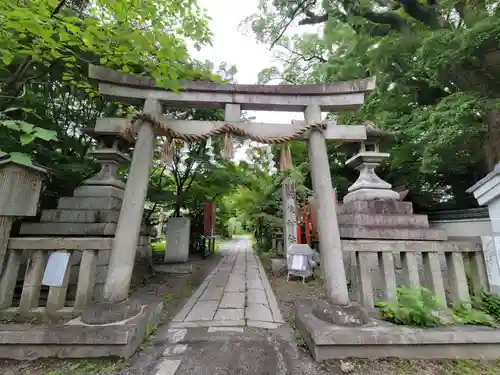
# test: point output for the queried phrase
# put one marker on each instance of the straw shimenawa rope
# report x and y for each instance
(162, 129)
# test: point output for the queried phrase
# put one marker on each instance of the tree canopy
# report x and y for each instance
(437, 69)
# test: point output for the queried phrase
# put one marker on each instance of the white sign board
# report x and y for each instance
(56, 269)
(299, 262)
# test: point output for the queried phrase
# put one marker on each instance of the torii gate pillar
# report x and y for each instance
(332, 262)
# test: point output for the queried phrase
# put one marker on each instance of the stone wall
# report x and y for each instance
(462, 223)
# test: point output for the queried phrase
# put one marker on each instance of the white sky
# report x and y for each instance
(250, 57)
(231, 46)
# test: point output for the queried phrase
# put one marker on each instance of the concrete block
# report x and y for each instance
(98, 191)
(100, 274)
(255, 284)
(229, 314)
(68, 229)
(257, 296)
(265, 325)
(73, 229)
(174, 269)
(177, 250)
(236, 286)
(40, 243)
(77, 340)
(89, 203)
(232, 300)
(202, 310)
(376, 207)
(80, 216)
(212, 294)
(379, 220)
(352, 231)
(374, 341)
(258, 311)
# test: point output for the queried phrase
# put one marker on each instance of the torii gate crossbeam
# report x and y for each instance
(309, 99)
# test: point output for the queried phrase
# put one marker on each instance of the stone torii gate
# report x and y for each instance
(309, 99)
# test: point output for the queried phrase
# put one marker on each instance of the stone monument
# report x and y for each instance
(289, 213)
(177, 236)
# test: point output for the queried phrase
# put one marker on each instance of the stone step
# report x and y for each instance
(380, 220)
(98, 191)
(425, 234)
(71, 229)
(89, 203)
(80, 216)
(51, 243)
(68, 229)
(376, 207)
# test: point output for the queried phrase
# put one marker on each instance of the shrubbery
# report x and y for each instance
(419, 307)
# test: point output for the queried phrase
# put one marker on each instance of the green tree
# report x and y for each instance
(436, 72)
(46, 45)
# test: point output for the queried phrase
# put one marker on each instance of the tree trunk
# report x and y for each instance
(492, 141)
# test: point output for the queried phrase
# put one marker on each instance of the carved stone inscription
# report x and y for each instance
(289, 213)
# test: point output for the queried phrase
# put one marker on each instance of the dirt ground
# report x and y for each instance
(293, 291)
(176, 290)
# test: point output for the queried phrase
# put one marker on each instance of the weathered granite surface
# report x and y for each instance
(88, 220)
(379, 340)
(77, 340)
(177, 237)
(385, 219)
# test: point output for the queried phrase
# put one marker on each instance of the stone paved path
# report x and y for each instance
(231, 326)
(236, 294)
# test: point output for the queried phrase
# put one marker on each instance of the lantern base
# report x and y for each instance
(369, 186)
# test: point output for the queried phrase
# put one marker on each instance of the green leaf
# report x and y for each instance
(11, 124)
(2, 154)
(45, 134)
(26, 126)
(87, 41)
(11, 109)
(72, 28)
(6, 59)
(21, 158)
(26, 138)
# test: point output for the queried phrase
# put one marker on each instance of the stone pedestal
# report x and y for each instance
(177, 236)
(487, 193)
(93, 211)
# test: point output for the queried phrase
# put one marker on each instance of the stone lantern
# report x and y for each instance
(111, 158)
(369, 186)
(20, 187)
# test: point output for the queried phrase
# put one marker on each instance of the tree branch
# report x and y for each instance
(421, 12)
(292, 18)
(313, 19)
(303, 57)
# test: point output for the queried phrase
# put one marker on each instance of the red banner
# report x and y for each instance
(312, 213)
(209, 216)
